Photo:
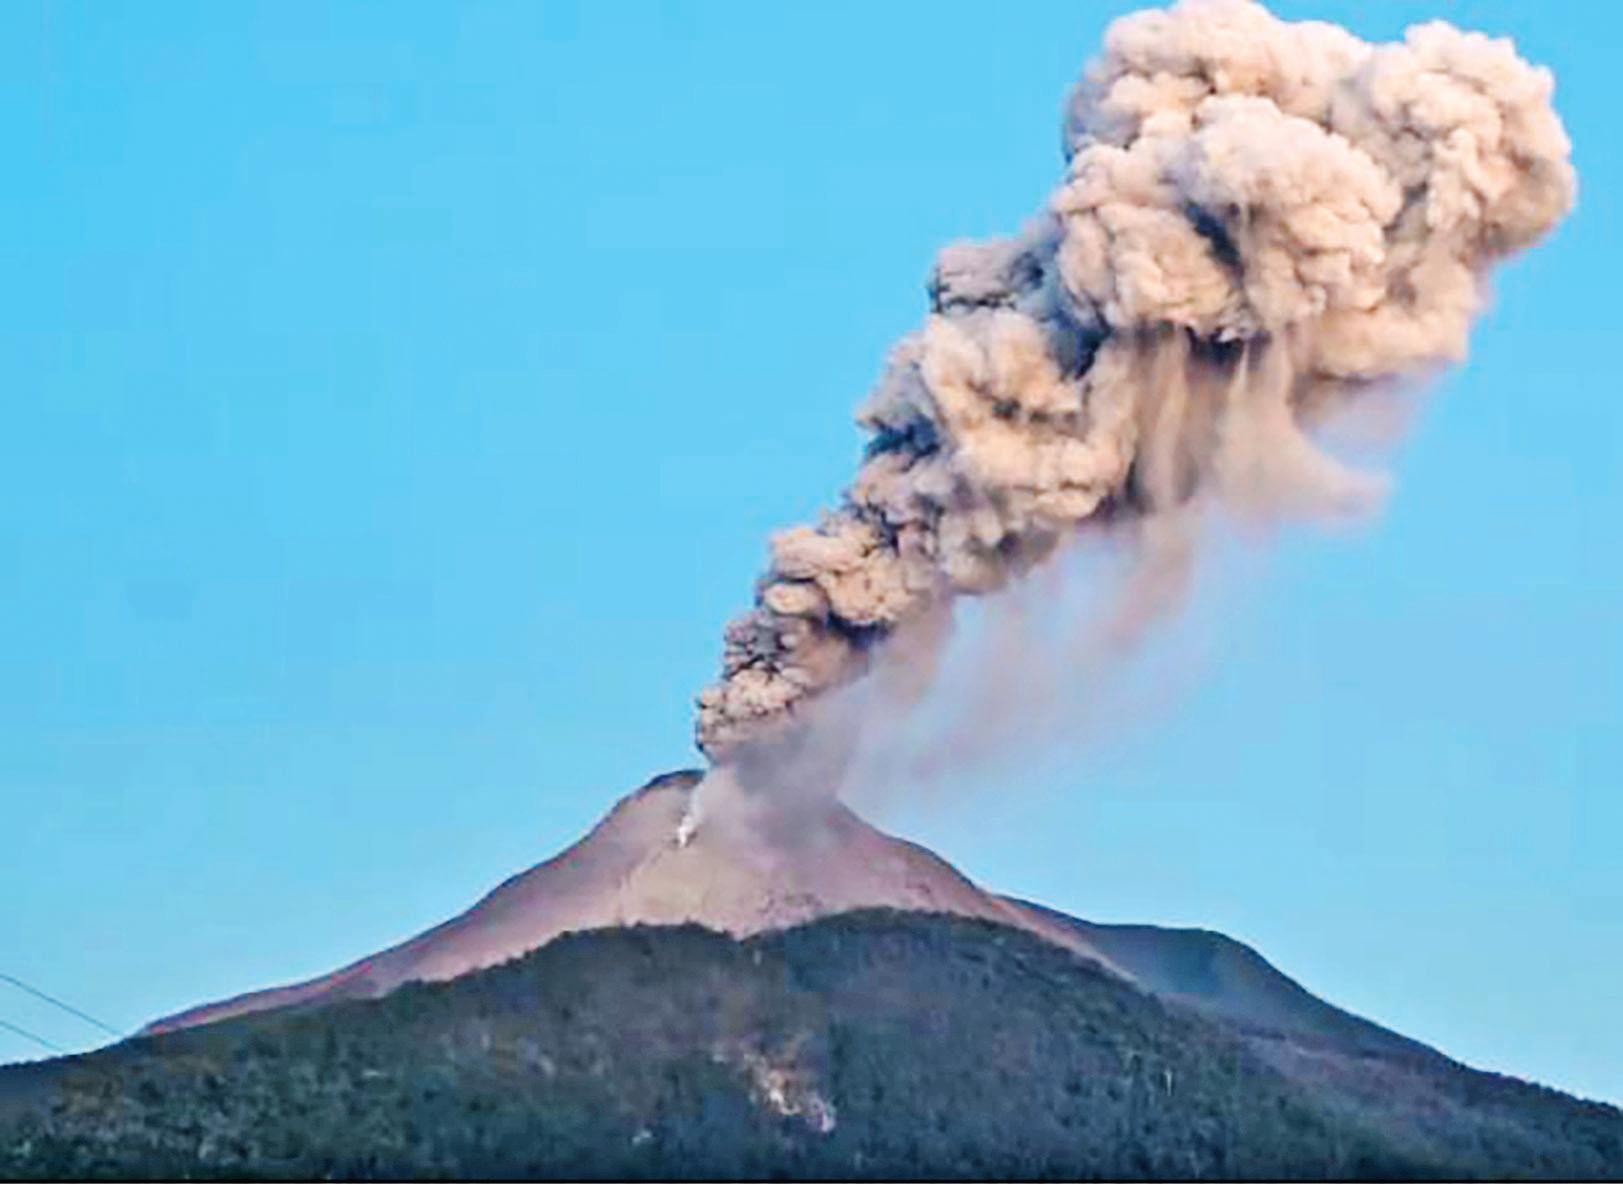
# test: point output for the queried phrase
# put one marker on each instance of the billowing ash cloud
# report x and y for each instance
(1259, 220)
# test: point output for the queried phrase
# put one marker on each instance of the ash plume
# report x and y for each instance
(1259, 223)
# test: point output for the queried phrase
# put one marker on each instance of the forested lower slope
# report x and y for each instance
(874, 1044)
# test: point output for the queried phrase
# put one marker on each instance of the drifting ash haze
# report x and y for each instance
(1259, 224)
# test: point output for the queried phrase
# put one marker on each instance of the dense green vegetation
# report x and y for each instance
(876, 1044)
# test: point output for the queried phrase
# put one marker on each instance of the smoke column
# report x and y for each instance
(1259, 222)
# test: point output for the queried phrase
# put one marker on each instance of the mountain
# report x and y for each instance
(848, 1006)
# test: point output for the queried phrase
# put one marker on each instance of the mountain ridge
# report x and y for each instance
(1215, 973)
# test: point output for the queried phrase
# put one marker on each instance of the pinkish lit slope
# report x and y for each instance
(630, 870)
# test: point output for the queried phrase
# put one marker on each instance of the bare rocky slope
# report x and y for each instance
(632, 869)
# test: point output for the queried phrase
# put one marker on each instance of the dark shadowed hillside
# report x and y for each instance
(1230, 980)
(874, 1044)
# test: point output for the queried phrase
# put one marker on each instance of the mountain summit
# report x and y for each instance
(639, 867)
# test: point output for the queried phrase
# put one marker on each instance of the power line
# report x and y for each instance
(39, 1040)
(67, 1007)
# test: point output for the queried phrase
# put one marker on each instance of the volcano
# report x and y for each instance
(783, 995)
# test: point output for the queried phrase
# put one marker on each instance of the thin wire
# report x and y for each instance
(39, 1040)
(67, 1007)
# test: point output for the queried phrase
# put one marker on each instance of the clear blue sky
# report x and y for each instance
(398, 397)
